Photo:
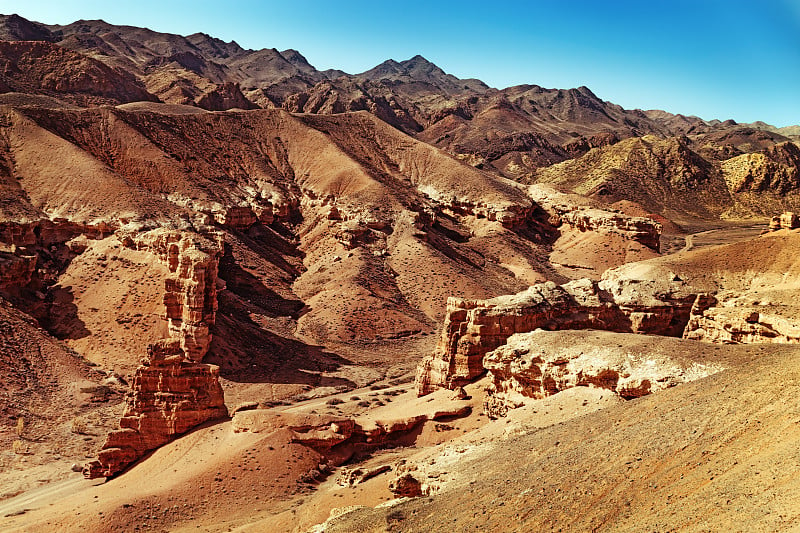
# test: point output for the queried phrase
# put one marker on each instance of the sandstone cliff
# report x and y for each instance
(190, 294)
(16, 269)
(786, 220)
(172, 391)
(541, 363)
(737, 318)
(169, 396)
(565, 209)
(472, 328)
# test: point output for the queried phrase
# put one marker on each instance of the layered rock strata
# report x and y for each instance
(172, 391)
(786, 220)
(562, 209)
(541, 363)
(16, 269)
(473, 328)
(732, 321)
(45, 232)
(191, 292)
(169, 396)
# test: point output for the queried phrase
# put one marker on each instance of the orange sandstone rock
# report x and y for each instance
(472, 328)
(168, 397)
(191, 293)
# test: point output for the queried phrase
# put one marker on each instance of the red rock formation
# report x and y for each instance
(240, 217)
(16, 270)
(542, 363)
(472, 328)
(725, 320)
(786, 220)
(191, 293)
(45, 232)
(564, 211)
(509, 215)
(172, 391)
(168, 397)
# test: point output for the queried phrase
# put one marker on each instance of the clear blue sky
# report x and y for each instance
(712, 58)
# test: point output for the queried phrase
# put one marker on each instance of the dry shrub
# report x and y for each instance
(19, 447)
(78, 426)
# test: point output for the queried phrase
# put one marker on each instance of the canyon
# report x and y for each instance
(238, 292)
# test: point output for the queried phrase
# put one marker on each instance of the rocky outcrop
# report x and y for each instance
(509, 215)
(223, 97)
(169, 396)
(562, 211)
(786, 220)
(45, 232)
(16, 269)
(541, 363)
(191, 292)
(473, 328)
(406, 486)
(731, 321)
(338, 436)
(639, 229)
(241, 217)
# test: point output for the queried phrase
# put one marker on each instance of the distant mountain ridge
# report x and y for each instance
(511, 131)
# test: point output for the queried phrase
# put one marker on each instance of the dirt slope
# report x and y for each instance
(716, 454)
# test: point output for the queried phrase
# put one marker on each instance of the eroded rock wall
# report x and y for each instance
(472, 328)
(542, 363)
(786, 220)
(45, 232)
(565, 209)
(16, 269)
(169, 396)
(172, 390)
(190, 296)
(730, 320)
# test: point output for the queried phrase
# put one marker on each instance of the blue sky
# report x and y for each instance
(712, 58)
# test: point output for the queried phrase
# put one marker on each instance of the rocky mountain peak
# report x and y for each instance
(16, 28)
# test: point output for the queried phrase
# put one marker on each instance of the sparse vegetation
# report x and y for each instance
(20, 447)
(79, 426)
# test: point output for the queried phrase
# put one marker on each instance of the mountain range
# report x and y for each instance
(512, 131)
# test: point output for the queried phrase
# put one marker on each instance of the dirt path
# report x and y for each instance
(41, 496)
(711, 237)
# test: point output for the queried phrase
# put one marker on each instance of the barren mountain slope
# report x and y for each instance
(668, 177)
(44, 68)
(330, 222)
(511, 131)
(53, 405)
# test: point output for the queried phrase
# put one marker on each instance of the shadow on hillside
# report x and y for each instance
(248, 287)
(62, 320)
(248, 353)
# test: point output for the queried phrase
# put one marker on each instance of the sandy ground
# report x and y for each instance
(480, 474)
